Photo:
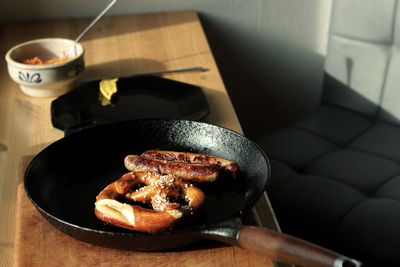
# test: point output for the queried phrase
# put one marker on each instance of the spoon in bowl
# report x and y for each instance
(72, 50)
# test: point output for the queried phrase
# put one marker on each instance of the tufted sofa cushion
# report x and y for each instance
(336, 182)
(335, 176)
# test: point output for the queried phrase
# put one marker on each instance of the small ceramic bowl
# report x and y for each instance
(45, 79)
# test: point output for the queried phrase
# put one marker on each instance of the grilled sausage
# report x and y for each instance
(196, 158)
(194, 172)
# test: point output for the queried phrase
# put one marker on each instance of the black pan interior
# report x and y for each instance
(63, 180)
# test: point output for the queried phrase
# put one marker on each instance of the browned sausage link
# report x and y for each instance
(190, 171)
(187, 157)
(110, 210)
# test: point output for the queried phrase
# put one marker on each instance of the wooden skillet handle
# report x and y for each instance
(288, 249)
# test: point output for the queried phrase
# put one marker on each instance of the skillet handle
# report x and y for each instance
(288, 249)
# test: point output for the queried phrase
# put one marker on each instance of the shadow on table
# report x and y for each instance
(121, 68)
(3, 147)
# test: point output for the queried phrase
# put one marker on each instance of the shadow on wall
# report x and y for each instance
(268, 52)
(272, 81)
(342, 95)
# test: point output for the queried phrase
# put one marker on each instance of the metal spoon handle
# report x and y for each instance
(192, 69)
(92, 23)
(95, 20)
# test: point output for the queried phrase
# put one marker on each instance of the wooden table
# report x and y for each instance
(116, 46)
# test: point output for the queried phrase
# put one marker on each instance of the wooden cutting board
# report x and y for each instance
(38, 243)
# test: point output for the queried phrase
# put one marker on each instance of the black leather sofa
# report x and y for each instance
(336, 173)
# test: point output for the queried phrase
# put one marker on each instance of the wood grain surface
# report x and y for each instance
(116, 46)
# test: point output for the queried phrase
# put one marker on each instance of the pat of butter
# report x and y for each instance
(108, 88)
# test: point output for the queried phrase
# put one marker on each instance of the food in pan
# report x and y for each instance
(165, 193)
(158, 192)
(186, 157)
(190, 166)
(39, 61)
(190, 171)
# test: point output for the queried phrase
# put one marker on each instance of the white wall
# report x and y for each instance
(270, 52)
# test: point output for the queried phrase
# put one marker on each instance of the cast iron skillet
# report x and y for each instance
(63, 180)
